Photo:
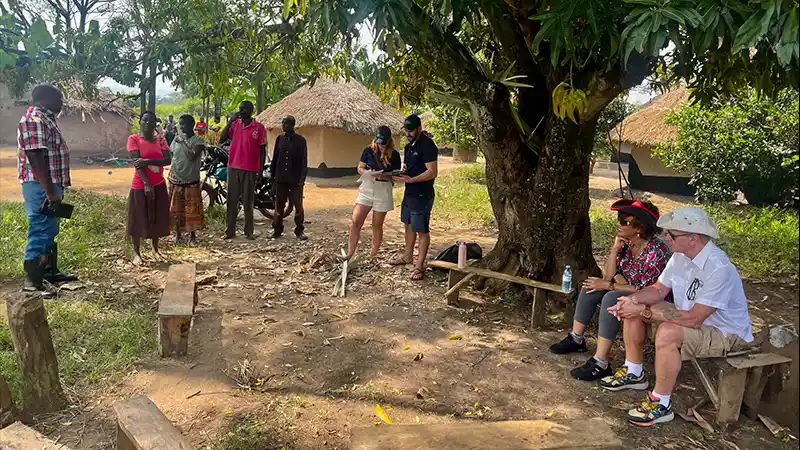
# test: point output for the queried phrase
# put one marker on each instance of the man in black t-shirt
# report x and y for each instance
(421, 168)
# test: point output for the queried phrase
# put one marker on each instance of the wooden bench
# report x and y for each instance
(472, 435)
(459, 277)
(142, 426)
(741, 382)
(176, 308)
(19, 437)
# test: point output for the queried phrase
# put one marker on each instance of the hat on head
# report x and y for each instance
(383, 135)
(689, 219)
(636, 209)
(412, 122)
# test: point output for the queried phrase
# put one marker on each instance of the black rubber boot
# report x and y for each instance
(34, 276)
(52, 274)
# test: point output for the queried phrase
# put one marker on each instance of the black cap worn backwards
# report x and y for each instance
(412, 122)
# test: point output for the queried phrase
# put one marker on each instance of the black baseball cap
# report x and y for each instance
(412, 122)
(383, 134)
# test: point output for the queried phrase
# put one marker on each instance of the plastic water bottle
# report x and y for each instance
(462, 254)
(566, 279)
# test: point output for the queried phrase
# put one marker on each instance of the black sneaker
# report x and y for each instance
(591, 371)
(568, 345)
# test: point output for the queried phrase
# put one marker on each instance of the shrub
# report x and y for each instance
(748, 143)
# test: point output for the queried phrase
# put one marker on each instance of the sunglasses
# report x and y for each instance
(676, 236)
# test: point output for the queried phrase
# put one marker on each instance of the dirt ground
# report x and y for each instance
(268, 340)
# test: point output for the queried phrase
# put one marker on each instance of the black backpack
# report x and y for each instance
(450, 254)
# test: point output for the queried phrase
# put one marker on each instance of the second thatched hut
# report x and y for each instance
(337, 118)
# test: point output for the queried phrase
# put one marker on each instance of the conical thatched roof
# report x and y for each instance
(646, 127)
(344, 105)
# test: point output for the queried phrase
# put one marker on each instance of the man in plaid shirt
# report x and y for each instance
(43, 165)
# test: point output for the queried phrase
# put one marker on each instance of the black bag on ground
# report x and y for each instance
(450, 254)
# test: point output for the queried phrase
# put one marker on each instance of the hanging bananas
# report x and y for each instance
(569, 102)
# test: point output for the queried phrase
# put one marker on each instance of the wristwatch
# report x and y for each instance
(647, 313)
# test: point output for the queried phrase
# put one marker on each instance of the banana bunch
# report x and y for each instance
(567, 101)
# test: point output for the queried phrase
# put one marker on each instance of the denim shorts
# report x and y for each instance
(416, 211)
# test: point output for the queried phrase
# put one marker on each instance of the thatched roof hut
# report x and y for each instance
(643, 129)
(646, 127)
(337, 118)
(96, 123)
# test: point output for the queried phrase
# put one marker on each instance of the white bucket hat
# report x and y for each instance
(689, 220)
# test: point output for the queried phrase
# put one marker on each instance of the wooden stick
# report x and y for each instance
(460, 283)
(712, 393)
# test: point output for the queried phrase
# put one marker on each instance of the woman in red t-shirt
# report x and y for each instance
(148, 201)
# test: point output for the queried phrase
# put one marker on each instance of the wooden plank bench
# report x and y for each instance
(142, 426)
(472, 435)
(741, 382)
(175, 309)
(20, 437)
(458, 277)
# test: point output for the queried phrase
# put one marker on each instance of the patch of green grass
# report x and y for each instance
(94, 342)
(249, 432)
(98, 222)
(761, 242)
(461, 196)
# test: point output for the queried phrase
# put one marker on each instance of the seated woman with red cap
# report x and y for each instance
(635, 261)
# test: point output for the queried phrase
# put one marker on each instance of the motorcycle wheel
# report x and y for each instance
(270, 214)
(209, 196)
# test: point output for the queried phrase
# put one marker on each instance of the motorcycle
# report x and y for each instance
(214, 185)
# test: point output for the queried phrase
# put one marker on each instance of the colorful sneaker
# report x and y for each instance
(591, 371)
(622, 380)
(568, 345)
(650, 412)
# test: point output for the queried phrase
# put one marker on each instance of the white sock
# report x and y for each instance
(578, 338)
(633, 368)
(662, 399)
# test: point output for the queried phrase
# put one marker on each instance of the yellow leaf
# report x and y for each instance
(416, 419)
(549, 414)
(476, 404)
(468, 413)
(228, 413)
(434, 382)
(212, 404)
(396, 391)
(455, 337)
(475, 388)
(595, 388)
(499, 364)
(382, 414)
(406, 348)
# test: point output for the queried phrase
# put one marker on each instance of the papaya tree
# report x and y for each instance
(535, 75)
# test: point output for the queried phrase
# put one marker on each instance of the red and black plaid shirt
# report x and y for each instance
(38, 131)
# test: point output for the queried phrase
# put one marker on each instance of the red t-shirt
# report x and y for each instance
(200, 128)
(246, 142)
(148, 150)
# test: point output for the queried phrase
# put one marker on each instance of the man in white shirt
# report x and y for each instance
(709, 317)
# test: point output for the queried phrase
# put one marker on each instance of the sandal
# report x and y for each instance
(417, 274)
(399, 261)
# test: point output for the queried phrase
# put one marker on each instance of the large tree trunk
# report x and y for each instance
(540, 201)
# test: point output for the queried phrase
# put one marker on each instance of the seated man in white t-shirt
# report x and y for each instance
(709, 317)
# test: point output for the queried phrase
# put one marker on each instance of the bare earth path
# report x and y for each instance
(313, 367)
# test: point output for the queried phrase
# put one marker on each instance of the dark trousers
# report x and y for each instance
(241, 188)
(286, 191)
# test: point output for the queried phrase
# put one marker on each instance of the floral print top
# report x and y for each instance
(644, 270)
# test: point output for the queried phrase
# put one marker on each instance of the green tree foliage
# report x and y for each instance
(747, 143)
(452, 125)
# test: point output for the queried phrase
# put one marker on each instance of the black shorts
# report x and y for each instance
(416, 211)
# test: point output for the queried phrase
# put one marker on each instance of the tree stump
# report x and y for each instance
(41, 387)
(7, 411)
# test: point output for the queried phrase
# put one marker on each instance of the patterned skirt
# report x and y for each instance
(186, 207)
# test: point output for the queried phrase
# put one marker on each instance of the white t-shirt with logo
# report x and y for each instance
(710, 279)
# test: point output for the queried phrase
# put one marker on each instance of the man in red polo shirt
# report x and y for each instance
(245, 162)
